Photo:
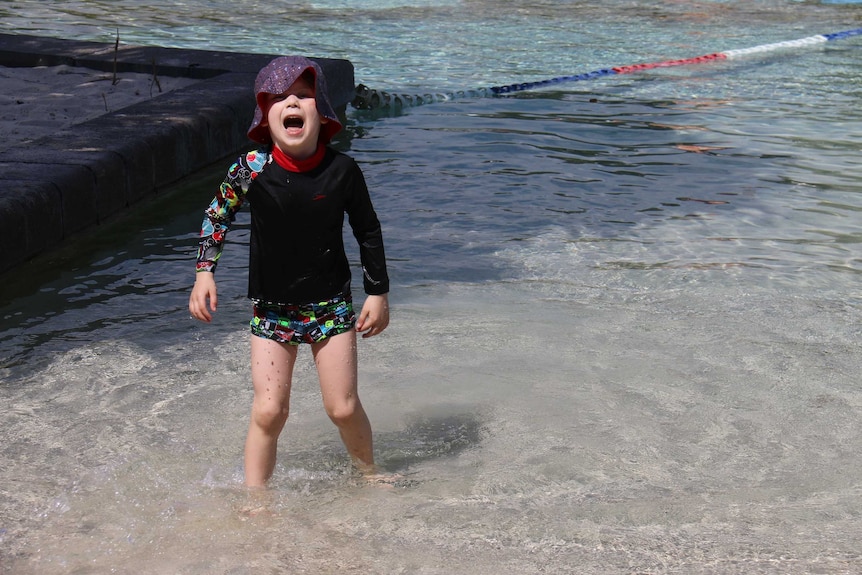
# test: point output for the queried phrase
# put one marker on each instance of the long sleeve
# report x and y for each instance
(227, 202)
(367, 231)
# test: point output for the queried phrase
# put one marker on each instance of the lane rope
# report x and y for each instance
(366, 98)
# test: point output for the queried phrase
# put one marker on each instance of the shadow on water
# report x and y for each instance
(426, 437)
(430, 436)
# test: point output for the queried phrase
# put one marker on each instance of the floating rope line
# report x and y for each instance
(368, 99)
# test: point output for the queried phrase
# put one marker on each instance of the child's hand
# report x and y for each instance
(205, 289)
(374, 316)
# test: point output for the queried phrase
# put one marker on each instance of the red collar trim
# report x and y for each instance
(294, 165)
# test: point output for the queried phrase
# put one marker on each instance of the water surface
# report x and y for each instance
(626, 312)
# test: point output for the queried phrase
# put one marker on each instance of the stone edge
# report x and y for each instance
(62, 184)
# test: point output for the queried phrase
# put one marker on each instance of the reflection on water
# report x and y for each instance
(568, 182)
(626, 316)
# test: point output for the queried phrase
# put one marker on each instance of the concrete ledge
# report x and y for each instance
(77, 177)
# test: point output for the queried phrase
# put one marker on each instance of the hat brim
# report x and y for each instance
(276, 78)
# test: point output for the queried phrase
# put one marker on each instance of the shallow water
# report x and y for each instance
(626, 314)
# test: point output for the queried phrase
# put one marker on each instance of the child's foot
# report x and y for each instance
(376, 476)
(258, 504)
(380, 478)
(251, 512)
(383, 479)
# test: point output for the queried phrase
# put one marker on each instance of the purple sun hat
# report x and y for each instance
(279, 75)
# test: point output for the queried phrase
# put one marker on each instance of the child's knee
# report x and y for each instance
(342, 412)
(270, 416)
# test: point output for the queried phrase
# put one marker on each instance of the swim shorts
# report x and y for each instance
(311, 323)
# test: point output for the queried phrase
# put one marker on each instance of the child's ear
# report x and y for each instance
(324, 120)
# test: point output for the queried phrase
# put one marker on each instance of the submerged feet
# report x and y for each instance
(374, 475)
(258, 504)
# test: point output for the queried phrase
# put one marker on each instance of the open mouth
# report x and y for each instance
(293, 122)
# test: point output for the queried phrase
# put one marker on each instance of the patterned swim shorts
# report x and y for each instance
(310, 323)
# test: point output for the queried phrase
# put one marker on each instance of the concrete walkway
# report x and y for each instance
(75, 178)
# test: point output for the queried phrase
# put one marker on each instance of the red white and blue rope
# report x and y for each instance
(726, 55)
(369, 99)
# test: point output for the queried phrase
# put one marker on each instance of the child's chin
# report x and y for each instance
(296, 146)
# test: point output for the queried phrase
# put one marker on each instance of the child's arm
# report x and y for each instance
(216, 223)
(204, 290)
(374, 316)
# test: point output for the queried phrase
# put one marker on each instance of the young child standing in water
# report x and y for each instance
(299, 277)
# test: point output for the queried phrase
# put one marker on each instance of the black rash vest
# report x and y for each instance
(297, 218)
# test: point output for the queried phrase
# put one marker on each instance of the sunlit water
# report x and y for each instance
(626, 312)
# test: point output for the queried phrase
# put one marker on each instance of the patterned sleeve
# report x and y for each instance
(227, 202)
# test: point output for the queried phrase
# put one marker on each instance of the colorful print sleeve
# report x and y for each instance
(227, 202)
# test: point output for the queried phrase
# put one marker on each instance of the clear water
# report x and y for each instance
(626, 312)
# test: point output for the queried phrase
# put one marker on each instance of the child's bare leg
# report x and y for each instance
(337, 369)
(271, 372)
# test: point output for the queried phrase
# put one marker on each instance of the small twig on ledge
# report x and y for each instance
(155, 79)
(105, 99)
(116, 50)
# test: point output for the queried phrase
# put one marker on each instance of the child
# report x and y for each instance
(299, 277)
